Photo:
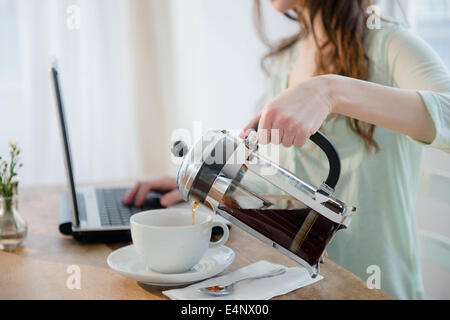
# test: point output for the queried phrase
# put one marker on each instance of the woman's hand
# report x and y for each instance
(294, 115)
(299, 111)
(136, 195)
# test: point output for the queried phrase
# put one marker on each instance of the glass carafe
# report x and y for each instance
(232, 177)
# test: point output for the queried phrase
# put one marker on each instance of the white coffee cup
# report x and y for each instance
(168, 242)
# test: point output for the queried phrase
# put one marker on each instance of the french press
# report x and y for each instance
(234, 179)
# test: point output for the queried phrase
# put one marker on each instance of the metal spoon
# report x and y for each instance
(228, 289)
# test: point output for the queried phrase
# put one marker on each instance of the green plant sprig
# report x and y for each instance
(9, 170)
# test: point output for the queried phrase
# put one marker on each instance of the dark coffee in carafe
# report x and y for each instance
(304, 232)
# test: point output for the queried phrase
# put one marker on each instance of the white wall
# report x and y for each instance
(215, 76)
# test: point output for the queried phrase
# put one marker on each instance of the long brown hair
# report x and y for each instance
(342, 53)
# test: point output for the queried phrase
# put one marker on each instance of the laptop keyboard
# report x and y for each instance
(113, 212)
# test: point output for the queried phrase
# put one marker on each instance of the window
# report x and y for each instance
(432, 23)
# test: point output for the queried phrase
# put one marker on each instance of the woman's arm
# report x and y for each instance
(418, 104)
(399, 110)
(298, 112)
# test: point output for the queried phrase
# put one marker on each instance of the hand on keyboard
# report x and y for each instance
(167, 185)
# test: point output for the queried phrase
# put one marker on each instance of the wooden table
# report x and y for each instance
(39, 269)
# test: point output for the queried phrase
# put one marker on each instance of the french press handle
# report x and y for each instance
(330, 151)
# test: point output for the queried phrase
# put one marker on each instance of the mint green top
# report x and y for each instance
(382, 186)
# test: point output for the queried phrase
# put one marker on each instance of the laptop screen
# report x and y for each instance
(65, 141)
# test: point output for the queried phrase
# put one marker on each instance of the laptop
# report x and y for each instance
(93, 214)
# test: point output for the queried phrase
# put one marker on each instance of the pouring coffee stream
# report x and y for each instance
(232, 177)
(194, 207)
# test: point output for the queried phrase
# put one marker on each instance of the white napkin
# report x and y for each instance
(260, 289)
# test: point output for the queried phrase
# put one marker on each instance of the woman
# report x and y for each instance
(379, 95)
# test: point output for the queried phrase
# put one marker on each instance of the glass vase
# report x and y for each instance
(13, 228)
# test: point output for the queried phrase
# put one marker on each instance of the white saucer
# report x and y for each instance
(126, 261)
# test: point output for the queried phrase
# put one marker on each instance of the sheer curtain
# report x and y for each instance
(131, 74)
(110, 83)
(134, 72)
